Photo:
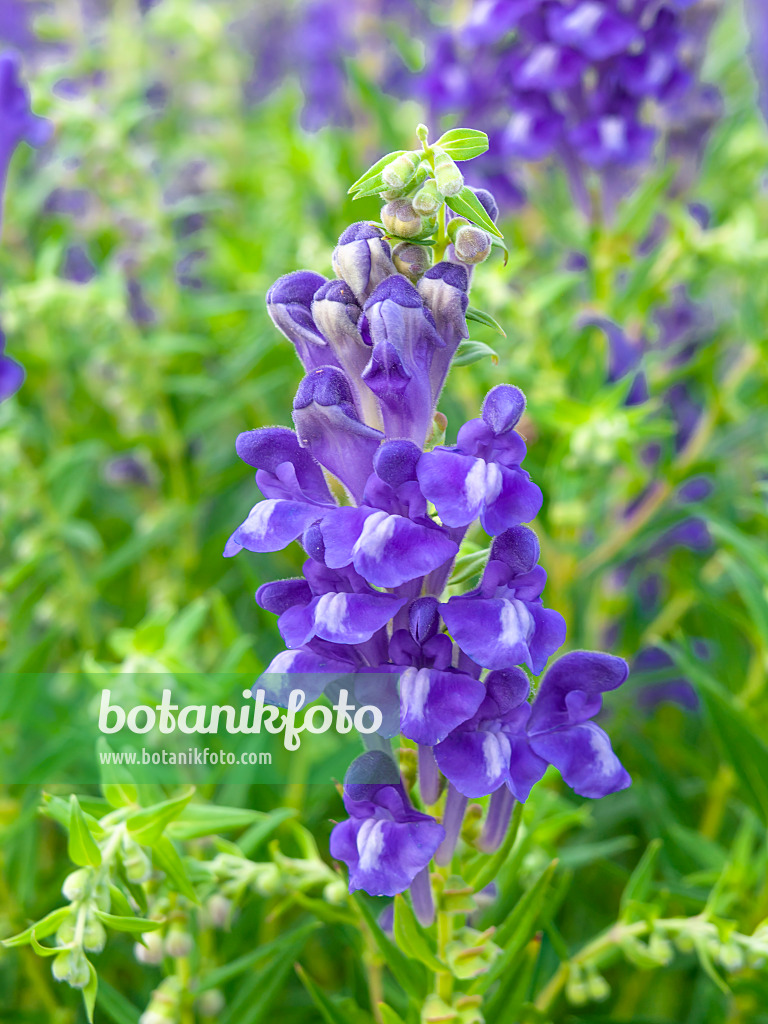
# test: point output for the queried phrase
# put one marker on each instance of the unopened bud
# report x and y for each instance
(94, 936)
(219, 911)
(660, 949)
(269, 881)
(211, 1003)
(428, 199)
(412, 260)
(472, 244)
(66, 930)
(598, 988)
(164, 1004)
(178, 941)
(401, 170)
(72, 967)
(684, 942)
(152, 952)
(76, 884)
(448, 177)
(137, 864)
(335, 892)
(731, 956)
(400, 219)
(576, 991)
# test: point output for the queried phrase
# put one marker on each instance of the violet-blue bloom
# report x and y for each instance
(17, 122)
(11, 373)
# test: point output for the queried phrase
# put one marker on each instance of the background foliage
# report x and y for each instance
(181, 200)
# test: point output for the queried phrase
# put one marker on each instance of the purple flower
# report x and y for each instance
(481, 475)
(509, 741)
(385, 843)
(503, 622)
(17, 122)
(11, 373)
(758, 49)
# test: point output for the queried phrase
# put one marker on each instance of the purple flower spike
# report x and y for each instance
(758, 49)
(289, 304)
(11, 373)
(363, 259)
(328, 425)
(385, 843)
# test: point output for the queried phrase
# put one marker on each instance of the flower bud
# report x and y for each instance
(428, 199)
(400, 218)
(597, 987)
(472, 244)
(211, 1003)
(269, 881)
(335, 892)
(137, 864)
(576, 989)
(178, 941)
(164, 1004)
(412, 260)
(401, 170)
(448, 177)
(66, 930)
(152, 952)
(684, 942)
(660, 949)
(219, 910)
(72, 967)
(94, 935)
(362, 259)
(731, 956)
(76, 884)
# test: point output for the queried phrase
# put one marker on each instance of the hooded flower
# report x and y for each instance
(17, 122)
(11, 373)
(385, 843)
(509, 741)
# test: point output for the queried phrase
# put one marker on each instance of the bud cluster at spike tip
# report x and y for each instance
(370, 608)
(593, 84)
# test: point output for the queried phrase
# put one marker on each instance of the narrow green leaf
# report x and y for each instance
(82, 848)
(639, 884)
(89, 992)
(44, 927)
(466, 204)
(491, 867)
(405, 971)
(119, 902)
(463, 143)
(44, 950)
(372, 187)
(116, 1006)
(147, 825)
(262, 830)
(486, 319)
(59, 810)
(470, 352)
(272, 951)
(411, 938)
(197, 820)
(257, 993)
(330, 1012)
(375, 170)
(165, 857)
(132, 925)
(388, 1015)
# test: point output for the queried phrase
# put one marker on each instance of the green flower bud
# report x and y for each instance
(94, 936)
(138, 866)
(164, 1004)
(660, 949)
(597, 987)
(472, 244)
(211, 1003)
(66, 930)
(448, 177)
(576, 991)
(400, 219)
(469, 1008)
(401, 170)
(412, 260)
(178, 941)
(269, 881)
(436, 1009)
(76, 884)
(152, 952)
(335, 892)
(72, 967)
(428, 199)
(731, 956)
(684, 942)
(219, 911)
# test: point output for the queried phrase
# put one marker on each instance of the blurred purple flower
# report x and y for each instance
(17, 122)
(11, 373)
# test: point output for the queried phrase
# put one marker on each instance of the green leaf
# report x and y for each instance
(132, 925)
(388, 1015)
(270, 952)
(486, 319)
(147, 825)
(470, 352)
(82, 848)
(467, 566)
(330, 1012)
(116, 1006)
(466, 204)
(59, 810)
(405, 971)
(257, 993)
(44, 950)
(165, 857)
(258, 833)
(119, 901)
(89, 992)
(491, 866)
(44, 927)
(375, 170)
(639, 884)
(372, 188)
(463, 143)
(198, 820)
(411, 938)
